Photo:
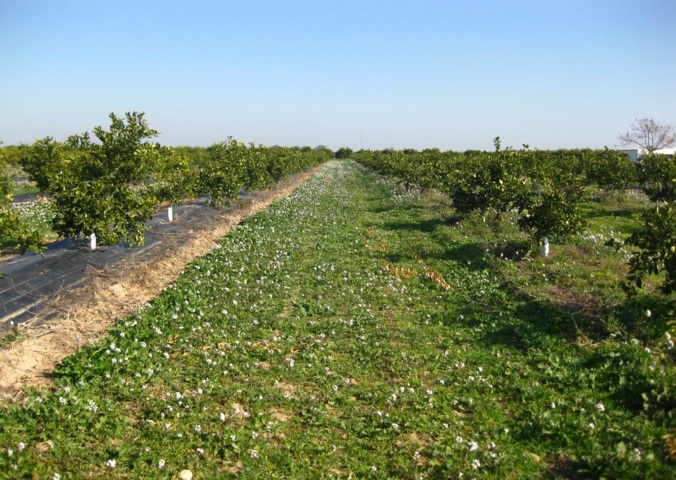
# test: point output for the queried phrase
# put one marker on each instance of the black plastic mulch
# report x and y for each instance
(31, 282)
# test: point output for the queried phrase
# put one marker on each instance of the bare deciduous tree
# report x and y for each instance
(649, 135)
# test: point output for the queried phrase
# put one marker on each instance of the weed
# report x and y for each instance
(350, 330)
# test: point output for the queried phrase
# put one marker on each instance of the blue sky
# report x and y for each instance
(364, 74)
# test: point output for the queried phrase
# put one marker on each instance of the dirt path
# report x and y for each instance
(81, 316)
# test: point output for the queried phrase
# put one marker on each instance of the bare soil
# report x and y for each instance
(83, 315)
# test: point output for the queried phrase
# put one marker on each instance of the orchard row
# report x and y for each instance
(543, 190)
(111, 184)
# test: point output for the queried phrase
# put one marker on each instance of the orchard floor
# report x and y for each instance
(57, 303)
(356, 329)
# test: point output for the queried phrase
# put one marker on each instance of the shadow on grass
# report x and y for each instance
(469, 255)
(394, 258)
(398, 208)
(512, 250)
(541, 324)
(427, 225)
(603, 212)
(531, 326)
(535, 322)
(528, 323)
(476, 256)
(513, 319)
(633, 317)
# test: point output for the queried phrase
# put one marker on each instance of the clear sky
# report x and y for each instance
(357, 73)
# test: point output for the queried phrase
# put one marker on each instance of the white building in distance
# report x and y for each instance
(635, 153)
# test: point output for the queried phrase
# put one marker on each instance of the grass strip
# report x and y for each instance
(355, 329)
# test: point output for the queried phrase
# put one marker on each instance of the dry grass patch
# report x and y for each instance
(286, 388)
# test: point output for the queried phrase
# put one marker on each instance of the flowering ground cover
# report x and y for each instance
(356, 330)
(37, 217)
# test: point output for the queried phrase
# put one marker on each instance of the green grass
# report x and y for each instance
(17, 177)
(9, 337)
(24, 187)
(619, 214)
(37, 216)
(354, 330)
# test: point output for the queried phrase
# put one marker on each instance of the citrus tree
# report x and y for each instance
(608, 169)
(657, 174)
(100, 185)
(656, 239)
(43, 161)
(174, 180)
(344, 152)
(221, 171)
(543, 190)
